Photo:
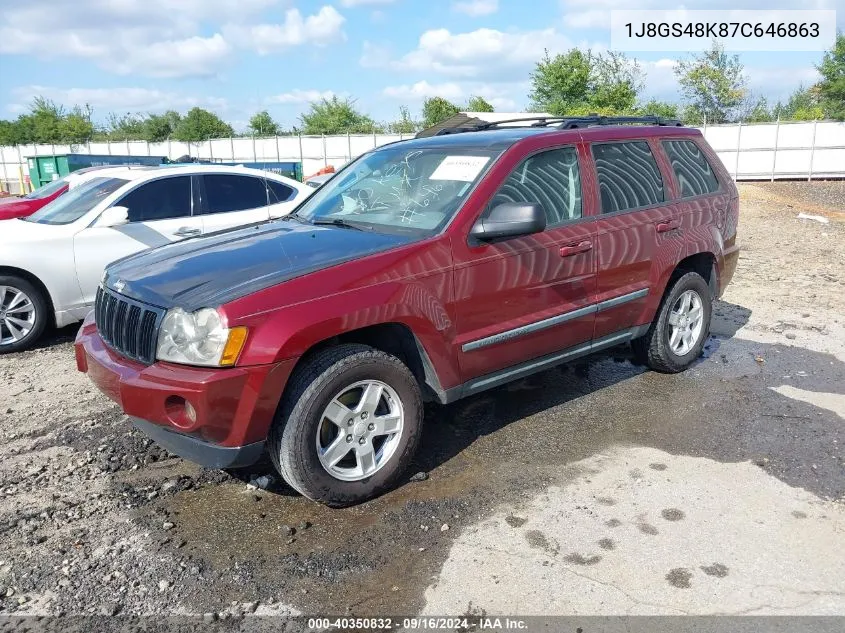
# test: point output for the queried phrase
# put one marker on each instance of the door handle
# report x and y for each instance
(187, 231)
(665, 227)
(574, 249)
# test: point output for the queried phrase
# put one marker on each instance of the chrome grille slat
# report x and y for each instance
(127, 326)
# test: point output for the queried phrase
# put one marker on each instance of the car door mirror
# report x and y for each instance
(510, 219)
(114, 216)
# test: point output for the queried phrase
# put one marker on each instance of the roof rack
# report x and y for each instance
(565, 123)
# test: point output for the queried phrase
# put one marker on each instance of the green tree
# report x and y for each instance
(160, 127)
(561, 83)
(757, 111)
(404, 124)
(262, 124)
(832, 85)
(9, 133)
(200, 125)
(126, 127)
(579, 82)
(659, 108)
(713, 85)
(802, 105)
(479, 104)
(616, 82)
(77, 126)
(335, 116)
(437, 109)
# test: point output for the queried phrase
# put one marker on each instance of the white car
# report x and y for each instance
(51, 262)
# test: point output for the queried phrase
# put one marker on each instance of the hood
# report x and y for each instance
(208, 271)
(18, 207)
(16, 231)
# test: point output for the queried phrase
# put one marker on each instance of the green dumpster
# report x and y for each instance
(44, 169)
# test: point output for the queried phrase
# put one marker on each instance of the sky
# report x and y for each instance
(237, 57)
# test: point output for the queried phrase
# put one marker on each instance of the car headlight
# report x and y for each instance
(199, 338)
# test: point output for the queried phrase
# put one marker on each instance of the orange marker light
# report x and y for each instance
(234, 345)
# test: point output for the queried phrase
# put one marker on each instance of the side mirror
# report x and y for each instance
(114, 216)
(510, 219)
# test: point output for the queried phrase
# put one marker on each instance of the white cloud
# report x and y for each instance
(361, 3)
(159, 38)
(300, 96)
(320, 29)
(423, 90)
(194, 56)
(116, 99)
(480, 54)
(476, 8)
(502, 96)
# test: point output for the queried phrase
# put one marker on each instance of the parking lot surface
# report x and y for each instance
(600, 488)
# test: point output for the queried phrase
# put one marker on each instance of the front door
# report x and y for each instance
(160, 212)
(529, 296)
(637, 234)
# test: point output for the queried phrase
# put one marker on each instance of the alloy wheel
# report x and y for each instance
(360, 430)
(686, 322)
(17, 315)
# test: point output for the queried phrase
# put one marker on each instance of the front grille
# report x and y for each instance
(127, 326)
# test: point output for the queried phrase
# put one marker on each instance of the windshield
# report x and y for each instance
(76, 202)
(396, 190)
(47, 190)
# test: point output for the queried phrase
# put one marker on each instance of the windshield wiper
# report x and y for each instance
(337, 222)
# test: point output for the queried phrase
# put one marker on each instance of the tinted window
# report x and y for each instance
(628, 176)
(691, 168)
(159, 200)
(225, 192)
(278, 192)
(552, 179)
(78, 201)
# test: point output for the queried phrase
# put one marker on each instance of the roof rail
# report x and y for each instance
(565, 123)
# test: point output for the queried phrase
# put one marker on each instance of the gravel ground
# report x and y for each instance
(95, 519)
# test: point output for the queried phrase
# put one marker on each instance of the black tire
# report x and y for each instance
(292, 440)
(653, 348)
(42, 316)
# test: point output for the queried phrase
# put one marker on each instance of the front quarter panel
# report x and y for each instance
(411, 285)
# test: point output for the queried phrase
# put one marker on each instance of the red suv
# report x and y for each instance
(429, 269)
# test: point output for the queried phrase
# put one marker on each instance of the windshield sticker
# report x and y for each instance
(462, 168)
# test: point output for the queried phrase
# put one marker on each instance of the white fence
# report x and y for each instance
(763, 151)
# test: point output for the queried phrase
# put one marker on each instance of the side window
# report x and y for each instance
(694, 174)
(226, 192)
(160, 199)
(278, 192)
(551, 178)
(628, 176)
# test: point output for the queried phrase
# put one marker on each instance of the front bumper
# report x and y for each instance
(233, 408)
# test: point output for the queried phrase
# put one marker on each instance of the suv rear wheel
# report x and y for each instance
(680, 329)
(23, 314)
(348, 426)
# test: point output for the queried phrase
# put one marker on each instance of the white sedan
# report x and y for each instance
(51, 262)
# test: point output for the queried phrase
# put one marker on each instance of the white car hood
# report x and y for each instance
(15, 231)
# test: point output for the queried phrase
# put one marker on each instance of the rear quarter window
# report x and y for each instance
(692, 169)
(628, 176)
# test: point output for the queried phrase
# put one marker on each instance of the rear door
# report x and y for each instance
(521, 298)
(160, 212)
(231, 200)
(638, 233)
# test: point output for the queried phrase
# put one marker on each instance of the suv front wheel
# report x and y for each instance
(348, 426)
(679, 331)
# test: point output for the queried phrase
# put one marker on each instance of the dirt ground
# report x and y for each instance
(597, 489)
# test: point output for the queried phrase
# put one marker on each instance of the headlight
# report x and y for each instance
(199, 338)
